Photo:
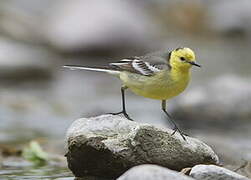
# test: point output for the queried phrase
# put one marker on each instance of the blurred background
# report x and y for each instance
(39, 99)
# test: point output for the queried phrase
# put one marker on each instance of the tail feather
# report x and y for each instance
(100, 69)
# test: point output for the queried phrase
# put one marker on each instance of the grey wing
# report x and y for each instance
(136, 65)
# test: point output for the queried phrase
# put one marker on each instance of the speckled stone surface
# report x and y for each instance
(108, 145)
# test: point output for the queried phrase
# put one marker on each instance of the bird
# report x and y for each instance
(160, 75)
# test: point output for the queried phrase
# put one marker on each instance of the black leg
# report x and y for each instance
(123, 105)
(172, 121)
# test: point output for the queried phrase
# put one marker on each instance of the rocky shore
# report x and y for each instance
(109, 146)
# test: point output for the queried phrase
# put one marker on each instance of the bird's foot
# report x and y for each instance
(180, 132)
(124, 113)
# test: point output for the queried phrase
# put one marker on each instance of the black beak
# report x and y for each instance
(194, 64)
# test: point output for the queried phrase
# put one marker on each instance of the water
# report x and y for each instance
(40, 173)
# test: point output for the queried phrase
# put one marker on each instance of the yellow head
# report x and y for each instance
(182, 58)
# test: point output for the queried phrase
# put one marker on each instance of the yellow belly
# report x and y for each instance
(161, 86)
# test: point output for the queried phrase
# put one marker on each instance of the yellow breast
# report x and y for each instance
(162, 86)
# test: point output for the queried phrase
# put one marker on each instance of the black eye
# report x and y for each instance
(182, 59)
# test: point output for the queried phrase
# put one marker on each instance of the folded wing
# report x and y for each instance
(136, 66)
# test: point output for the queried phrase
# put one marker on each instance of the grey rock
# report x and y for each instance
(223, 102)
(23, 62)
(152, 172)
(230, 16)
(72, 26)
(109, 145)
(88, 25)
(212, 172)
(23, 21)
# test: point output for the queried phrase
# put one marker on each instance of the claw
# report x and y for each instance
(174, 131)
(124, 113)
(180, 132)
